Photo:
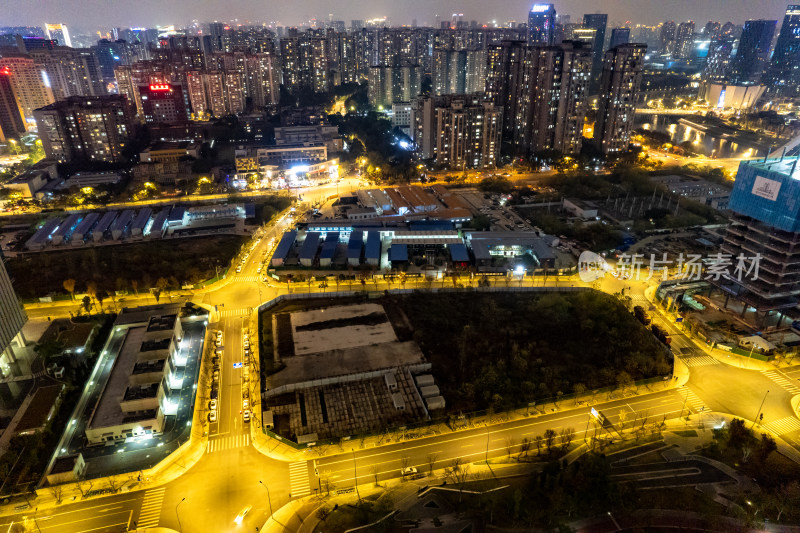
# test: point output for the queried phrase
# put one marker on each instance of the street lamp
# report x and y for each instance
(180, 527)
(268, 496)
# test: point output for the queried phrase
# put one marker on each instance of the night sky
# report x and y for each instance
(94, 14)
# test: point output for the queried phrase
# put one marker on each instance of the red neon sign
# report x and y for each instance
(160, 87)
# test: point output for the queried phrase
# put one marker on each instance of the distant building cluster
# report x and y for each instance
(526, 88)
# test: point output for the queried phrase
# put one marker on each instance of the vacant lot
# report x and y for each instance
(504, 350)
(124, 267)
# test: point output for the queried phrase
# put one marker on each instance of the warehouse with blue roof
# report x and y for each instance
(41, 238)
(354, 246)
(64, 231)
(84, 229)
(398, 254)
(120, 225)
(282, 250)
(308, 251)
(157, 226)
(458, 253)
(141, 220)
(373, 249)
(328, 249)
(99, 231)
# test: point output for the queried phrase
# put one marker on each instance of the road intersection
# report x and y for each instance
(233, 474)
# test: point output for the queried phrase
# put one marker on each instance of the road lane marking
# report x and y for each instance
(151, 508)
(693, 401)
(103, 527)
(782, 379)
(298, 479)
(452, 440)
(227, 443)
(701, 360)
(82, 509)
(62, 524)
(782, 426)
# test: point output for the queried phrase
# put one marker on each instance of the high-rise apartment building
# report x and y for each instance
(718, 59)
(91, 129)
(619, 36)
(783, 74)
(541, 24)
(457, 131)
(765, 222)
(750, 60)
(71, 71)
(58, 32)
(29, 82)
(667, 37)
(11, 122)
(684, 40)
(597, 22)
(619, 89)
(459, 71)
(553, 98)
(504, 71)
(390, 85)
(164, 103)
(12, 359)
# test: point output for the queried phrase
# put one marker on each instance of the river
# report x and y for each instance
(713, 143)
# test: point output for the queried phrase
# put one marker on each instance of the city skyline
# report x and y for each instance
(90, 15)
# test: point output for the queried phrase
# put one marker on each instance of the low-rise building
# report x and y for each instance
(164, 152)
(144, 384)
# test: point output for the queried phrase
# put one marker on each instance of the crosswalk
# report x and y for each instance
(700, 360)
(151, 508)
(783, 380)
(233, 313)
(693, 401)
(639, 299)
(230, 442)
(783, 425)
(298, 479)
(249, 278)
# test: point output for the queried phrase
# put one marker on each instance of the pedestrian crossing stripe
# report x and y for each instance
(692, 400)
(782, 379)
(150, 512)
(783, 425)
(298, 479)
(232, 313)
(248, 278)
(227, 443)
(702, 360)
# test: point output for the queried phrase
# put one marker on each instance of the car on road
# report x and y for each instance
(212, 416)
(212, 405)
(216, 375)
(240, 517)
(238, 269)
(245, 403)
(408, 471)
(246, 415)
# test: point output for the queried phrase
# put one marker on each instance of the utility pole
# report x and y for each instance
(759, 409)
(355, 477)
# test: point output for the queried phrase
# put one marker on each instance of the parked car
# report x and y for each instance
(212, 405)
(246, 415)
(212, 416)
